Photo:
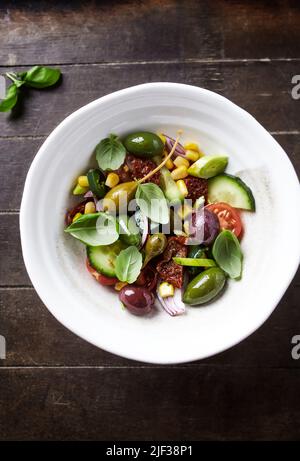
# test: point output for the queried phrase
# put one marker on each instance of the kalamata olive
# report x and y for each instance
(155, 245)
(144, 144)
(205, 226)
(138, 300)
(204, 287)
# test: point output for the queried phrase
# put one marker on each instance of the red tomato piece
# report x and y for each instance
(229, 217)
(102, 279)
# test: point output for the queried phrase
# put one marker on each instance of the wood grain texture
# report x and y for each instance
(262, 88)
(105, 31)
(206, 403)
(35, 338)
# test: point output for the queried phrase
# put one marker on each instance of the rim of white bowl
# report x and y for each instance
(25, 225)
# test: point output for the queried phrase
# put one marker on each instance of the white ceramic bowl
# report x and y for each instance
(56, 262)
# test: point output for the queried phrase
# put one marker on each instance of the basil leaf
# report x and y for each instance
(228, 254)
(110, 153)
(94, 229)
(10, 99)
(128, 264)
(151, 200)
(40, 77)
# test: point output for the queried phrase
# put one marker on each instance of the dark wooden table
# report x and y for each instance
(53, 385)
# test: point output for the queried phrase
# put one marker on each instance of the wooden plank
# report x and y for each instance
(35, 338)
(206, 403)
(262, 88)
(12, 269)
(70, 32)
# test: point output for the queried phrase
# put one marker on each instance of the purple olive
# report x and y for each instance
(138, 300)
(205, 226)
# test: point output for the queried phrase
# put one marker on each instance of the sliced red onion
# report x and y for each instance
(179, 151)
(99, 204)
(172, 304)
(89, 194)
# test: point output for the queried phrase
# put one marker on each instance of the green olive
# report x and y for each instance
(128, 230)
(155, 245)
(144, 144)
(196, 251)
(204, 287)
(120, 194)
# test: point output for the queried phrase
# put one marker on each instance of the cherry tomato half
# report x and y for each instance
(102, 279)
(229, 218)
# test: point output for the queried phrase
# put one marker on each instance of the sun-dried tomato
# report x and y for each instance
(168, 270)
(140, 167)
(196, 187)
(79, 208)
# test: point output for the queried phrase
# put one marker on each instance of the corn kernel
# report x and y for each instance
(192, 155)
(120, 285)
(179, 173)
(166, 289)
(162, 137)
(184, 211)
(78, 215)
(182, 187)
(169, 164)
(83, 181)
(112, 180)
(89, 208)
(181, 161)
(186, 227)
(191, 146)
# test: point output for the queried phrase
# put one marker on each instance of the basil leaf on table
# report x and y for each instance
(110, 153)
(40, 77)
(10, 99)
(228, 254)
(94, 229)
(151, 200)
(129, 264)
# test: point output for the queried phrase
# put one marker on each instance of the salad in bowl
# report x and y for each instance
(161, 221)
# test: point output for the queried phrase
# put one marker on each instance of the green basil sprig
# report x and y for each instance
(36, 77)
(94, 229)
(10, 99)
(152, 201)
(110, 153)
(40, 77)
(228, 254)
(128, 264)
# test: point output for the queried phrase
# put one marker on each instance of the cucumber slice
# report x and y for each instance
(103, 258)
(232, 190)
(208, 166)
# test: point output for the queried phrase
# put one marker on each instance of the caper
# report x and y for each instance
(144, 144)
(204, 287)
(155, 245)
